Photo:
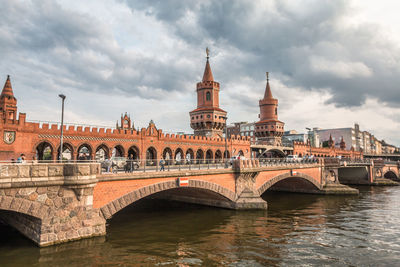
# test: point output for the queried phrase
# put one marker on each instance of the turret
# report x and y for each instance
(8, 103)
(269, 128)
(126, 123)
(208, 119)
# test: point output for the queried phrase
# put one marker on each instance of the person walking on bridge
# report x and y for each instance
(162, 164)
(129, 164)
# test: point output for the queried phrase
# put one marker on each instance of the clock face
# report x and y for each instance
(126, 122)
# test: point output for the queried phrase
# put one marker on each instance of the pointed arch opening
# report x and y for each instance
(151, 156)
(44, 151)
(118, 152)
(67, 153)
(167, 155)
(209, 156)
(84, 152)
(189, 156)
(218, 156)
(102, 152)
(179, 156)
(133, 152)
(227, 155)
(199, 156)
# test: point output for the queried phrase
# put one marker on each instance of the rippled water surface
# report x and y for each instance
(297, 230)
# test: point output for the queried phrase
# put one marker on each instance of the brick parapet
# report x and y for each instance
(48, 174)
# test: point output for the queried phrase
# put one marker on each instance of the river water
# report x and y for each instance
(297, 229)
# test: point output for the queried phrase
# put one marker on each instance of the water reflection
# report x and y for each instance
(297, 229)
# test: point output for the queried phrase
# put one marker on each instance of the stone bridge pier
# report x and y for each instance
(50, 203)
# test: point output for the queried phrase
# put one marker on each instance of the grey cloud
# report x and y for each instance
(76, 50)
(284, 40)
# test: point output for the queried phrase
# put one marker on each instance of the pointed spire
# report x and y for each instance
(268, 93)
(342, 144)
(331, 143)
(7, 89)
(208, 77)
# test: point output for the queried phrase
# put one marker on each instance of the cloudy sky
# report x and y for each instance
(332, 63)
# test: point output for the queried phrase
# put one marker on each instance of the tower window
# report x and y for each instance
(276, 111)
(208, 96)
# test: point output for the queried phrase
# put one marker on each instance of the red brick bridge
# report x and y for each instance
(53, 202)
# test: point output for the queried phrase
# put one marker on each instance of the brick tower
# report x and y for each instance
(8, 103)
(269, 128)
(208, 119)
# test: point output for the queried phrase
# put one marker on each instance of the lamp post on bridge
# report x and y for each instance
(309, 139)
(226, 144)
(62, 125)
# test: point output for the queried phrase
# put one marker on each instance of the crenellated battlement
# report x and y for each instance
(207, 85)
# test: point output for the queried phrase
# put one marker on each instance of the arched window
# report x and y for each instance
(208, 96)
(276, 111)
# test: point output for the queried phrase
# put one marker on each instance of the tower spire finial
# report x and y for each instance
(267, 73)
(208, 77)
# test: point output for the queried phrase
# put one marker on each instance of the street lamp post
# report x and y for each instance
(226, 140)
(62, 125)
(309, 139)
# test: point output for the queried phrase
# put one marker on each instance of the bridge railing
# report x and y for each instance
(160, 165)
(354, 161)
(123, 165)
(286, 161)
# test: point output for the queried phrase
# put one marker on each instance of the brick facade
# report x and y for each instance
(302, 149)
(32, 139)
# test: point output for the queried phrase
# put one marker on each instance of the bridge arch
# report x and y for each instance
(276, 153)
(286, 176)
(389, 174)
(118, 204)
(31, 208)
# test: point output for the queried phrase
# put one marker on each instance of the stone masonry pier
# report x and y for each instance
(50, 203)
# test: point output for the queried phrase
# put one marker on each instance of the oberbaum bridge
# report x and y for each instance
(52, 201)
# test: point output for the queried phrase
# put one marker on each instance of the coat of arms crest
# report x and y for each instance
(9, 137)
